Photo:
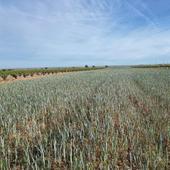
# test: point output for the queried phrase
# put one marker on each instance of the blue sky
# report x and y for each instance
(38, 33)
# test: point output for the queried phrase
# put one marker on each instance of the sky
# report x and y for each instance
(52, 33)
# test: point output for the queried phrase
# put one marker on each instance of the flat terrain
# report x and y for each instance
(111, 118)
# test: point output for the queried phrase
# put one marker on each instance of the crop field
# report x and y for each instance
(152, 66)
(16, 73)
(114, 118)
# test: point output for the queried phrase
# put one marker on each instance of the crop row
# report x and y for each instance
(104, 119)
(31, 72)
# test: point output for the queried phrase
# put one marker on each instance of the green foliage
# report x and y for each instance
(26, 72)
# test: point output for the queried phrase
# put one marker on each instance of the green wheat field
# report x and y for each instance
(113, 118)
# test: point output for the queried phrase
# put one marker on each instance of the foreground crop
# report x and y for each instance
(113, 118)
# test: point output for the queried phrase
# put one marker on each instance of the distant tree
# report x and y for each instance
(106, 66)
(46, 68)
(93, 66)
(14, 75)
(86, 66)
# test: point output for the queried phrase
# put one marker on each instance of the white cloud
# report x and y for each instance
(64, 30)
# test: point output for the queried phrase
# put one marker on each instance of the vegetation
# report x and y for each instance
(103, 119)
(26, 72)
(153, 66)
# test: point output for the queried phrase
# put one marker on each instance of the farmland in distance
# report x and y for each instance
(114, 118)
